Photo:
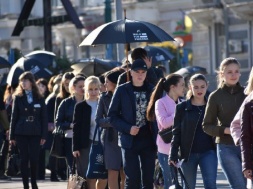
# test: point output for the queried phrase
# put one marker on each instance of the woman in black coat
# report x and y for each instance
(28, 126)
(84, 129)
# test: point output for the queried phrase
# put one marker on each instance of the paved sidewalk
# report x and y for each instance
(47, 184)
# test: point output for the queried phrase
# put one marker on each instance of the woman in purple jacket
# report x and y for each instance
(163, 109)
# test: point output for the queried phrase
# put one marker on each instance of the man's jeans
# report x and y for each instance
(230, 160)
(163, 161)
(207, 162)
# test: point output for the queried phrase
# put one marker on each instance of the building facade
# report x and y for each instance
(220, 28)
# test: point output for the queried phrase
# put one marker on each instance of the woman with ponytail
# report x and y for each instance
(162, 108)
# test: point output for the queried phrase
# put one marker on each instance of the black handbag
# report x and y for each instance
(13, 164)
(57, 148)
(166, 135)
(96, 166)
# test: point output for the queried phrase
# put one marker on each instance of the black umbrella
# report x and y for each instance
(42, 56)
(158, 54)
(191, 70)
(93, 66)
(126, 31)
(38, 69)
(4, 63)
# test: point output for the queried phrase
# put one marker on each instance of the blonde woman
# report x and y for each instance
(65, 112)
(84, 127)
(221, 108)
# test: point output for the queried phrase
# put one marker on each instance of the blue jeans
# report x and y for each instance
(207, 162)
(229, 157)
(163, 161)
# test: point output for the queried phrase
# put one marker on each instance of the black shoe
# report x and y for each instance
(63, 176)
(34, 186)
(54, 179)
(4, 177)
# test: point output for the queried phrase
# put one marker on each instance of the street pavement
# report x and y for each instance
(47, 184)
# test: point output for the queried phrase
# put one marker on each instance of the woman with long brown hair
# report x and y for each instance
(28, 126)
(161, 108)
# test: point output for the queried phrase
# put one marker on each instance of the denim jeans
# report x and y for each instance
(207, 162)
(163, 161)
(229, 157)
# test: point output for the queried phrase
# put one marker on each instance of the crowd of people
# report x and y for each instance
(129, 108)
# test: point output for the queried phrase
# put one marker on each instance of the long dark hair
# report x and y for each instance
(44, 82)
(195, 77)
(63, 93)
(20, 91)
(163, 85)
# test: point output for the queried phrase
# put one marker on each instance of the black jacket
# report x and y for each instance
(81, 129)
(122, 111)
(28, 119)
(185, 124)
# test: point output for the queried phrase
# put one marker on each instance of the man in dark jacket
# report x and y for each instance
(136, 135)
(152, 77)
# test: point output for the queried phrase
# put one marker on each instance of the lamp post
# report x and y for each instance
(179, 42)
(108, 18)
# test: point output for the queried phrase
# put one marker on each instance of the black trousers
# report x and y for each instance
(139, 163)
(3, 155)
(29, 149)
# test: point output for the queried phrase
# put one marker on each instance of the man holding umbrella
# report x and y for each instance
(136, 134)
(152, 77)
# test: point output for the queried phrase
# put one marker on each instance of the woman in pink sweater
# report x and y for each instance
(162, 108)
(235, 127)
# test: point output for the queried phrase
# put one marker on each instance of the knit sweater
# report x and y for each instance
(221, 108)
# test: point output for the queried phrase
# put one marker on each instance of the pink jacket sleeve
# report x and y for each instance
(164, 116)
(235, 126)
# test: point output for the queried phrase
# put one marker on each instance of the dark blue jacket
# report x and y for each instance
(28, 119)
(122, 111)
(65, 112)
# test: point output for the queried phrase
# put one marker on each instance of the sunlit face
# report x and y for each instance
(102, 88)
(79, 88)
(179, 88)
(42, 88)
(26, 84)
(198, 88)
(138, 76)
(110, 86)
(231, 74)
(66, 85)
(93, 91)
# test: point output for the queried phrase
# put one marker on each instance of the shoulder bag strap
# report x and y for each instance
(183, 178)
